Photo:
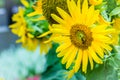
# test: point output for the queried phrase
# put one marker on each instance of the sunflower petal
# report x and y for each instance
(63, 46)
(25, 3)
(94, 56)
(78, 61)
(67, 54)
(72, 57)
(58, 19)
(84, 61)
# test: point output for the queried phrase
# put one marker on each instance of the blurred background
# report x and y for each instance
(7, 9)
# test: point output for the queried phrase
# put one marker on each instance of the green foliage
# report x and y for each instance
(115, 11)
(105, 15)
(107, 9)
(56, 74)
(103, 72)
(51, 56)
(111, 4)
(110, 70)
(79, 76)
(2, 3)
(40, 27)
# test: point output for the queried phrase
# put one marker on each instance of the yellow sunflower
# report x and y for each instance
(20, 28)
(25, 31)
(82, 40)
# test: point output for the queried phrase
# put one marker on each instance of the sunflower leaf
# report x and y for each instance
(111, 5)
(51, 57)
(115, 60)
(56, 73)
(115, 11)
(103, 72)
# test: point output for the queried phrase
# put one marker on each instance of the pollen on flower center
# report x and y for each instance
(81, 36)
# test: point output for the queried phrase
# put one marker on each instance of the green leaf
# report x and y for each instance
(80, 76)
(52, 56)
(115, 60)
(56, 73)
(115, 11)
(118, 15)
(105, 15)
(111, 5)
(101, 7)
(103, 72)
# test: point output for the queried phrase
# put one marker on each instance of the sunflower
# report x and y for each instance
(29, 23)
(20, 29)
(82, 39)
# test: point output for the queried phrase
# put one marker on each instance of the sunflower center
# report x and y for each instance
(81, 36)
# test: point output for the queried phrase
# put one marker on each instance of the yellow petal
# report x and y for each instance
(98, 49)
(102, 38)
(58, 19)
(106, 46)
(67, 54)
(85, 7)
(60, 31)
(63, 52)
(95, 2)
(71, 58)
(89, 16)
(70, 7)
(95, 17)
(63, 46)
(24, 39)
(61, 39)
(25, 3)
(14, 31)
(18, 41)
(63, 14)
(33, 14)
(78, 61)
(79, 5)
(84, 61)
(43, 48)
(44, 34)
(94, 56)
(30, 35)
(15, 25)
(98, 28)
(91, 60)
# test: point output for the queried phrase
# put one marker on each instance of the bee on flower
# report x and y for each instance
(82, 38)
